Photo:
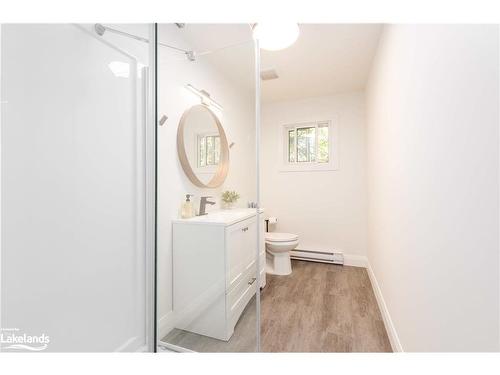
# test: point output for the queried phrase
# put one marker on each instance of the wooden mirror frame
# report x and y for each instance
(223, 167)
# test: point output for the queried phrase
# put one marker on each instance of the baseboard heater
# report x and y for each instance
(318, 256)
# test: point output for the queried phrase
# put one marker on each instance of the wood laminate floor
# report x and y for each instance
(318, 308)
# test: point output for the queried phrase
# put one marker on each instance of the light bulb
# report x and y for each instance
(275, 36)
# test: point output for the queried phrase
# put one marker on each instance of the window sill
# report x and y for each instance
(309, 168)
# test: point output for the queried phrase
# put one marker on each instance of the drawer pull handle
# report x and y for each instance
(252, 280)
(244, 229)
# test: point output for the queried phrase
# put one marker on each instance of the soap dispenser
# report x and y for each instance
(187, 209)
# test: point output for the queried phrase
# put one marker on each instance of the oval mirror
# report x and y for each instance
(202, 147)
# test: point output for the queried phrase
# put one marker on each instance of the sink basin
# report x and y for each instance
(222, 217)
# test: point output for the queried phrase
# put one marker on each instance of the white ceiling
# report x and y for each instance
(326, 59)
(231, 45)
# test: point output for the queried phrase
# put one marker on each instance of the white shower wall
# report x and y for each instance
(73, 189)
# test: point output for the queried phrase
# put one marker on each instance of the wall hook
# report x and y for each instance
(163, 119)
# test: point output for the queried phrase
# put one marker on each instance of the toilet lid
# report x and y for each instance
(281, 237)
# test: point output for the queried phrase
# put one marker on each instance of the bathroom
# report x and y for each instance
(330, 225)
(315, 197)
(294, 187)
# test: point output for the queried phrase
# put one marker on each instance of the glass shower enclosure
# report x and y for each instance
(129, 188)
(210, 241)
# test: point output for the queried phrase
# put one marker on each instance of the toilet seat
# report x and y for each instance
(281, 237)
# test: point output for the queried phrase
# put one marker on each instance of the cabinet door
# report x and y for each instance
(250, 241)
(240, 248)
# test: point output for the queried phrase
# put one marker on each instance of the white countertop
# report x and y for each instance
(221, 217)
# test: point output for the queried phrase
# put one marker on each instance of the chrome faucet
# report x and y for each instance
(203, 205)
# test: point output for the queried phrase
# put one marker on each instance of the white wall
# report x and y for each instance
(432, 137)
(327, 209)
(238, 120)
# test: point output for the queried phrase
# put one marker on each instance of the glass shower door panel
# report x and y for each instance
(73, 188)
(209, 273)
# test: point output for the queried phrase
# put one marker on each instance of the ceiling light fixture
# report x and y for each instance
(275, 36)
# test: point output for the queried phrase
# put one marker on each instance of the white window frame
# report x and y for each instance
(333, 154)
(208, 169)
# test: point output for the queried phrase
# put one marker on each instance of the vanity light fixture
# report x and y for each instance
(275, 35)
(204, 96)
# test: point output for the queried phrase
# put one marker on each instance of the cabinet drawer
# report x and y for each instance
(241, 242)
(238, 298)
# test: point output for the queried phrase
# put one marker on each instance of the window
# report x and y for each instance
(208, 150)
(309, 146)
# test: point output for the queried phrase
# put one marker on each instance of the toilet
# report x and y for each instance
(278, 246)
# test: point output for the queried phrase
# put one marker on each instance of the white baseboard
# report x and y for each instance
(389, 325)
(355, 260)
(165, 324)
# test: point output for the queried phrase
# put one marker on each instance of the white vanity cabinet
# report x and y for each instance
(215, 270)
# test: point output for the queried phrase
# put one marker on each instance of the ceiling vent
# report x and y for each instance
(268, 74)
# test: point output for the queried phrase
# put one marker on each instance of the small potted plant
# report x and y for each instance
(229, 198)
